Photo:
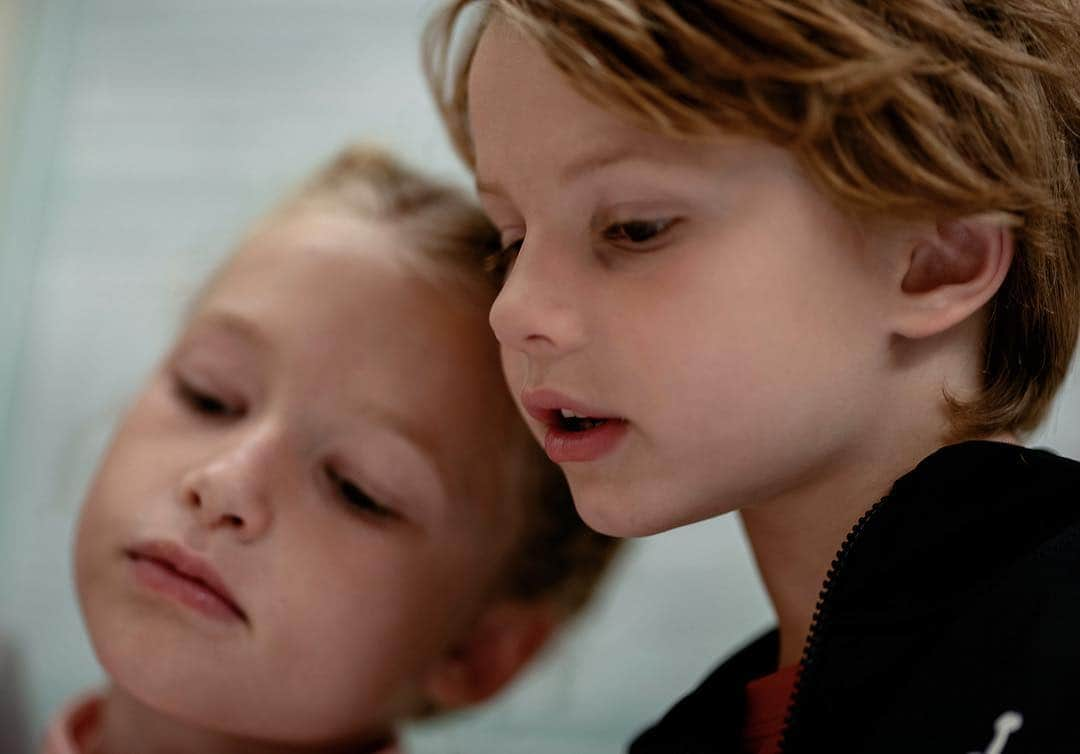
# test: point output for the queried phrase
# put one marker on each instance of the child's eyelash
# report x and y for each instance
(627, 232)
(499, 262)
(355, 497)
(204, 402)
(638, 231)
(512, 248)
(201, 401)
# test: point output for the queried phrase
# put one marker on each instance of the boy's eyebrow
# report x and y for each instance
(587, 163)
(591, 162)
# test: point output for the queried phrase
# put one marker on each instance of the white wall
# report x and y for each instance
(148, 133)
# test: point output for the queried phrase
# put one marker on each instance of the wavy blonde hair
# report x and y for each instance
(915, 109)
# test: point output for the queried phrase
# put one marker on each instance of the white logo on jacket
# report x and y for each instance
(1006, 724)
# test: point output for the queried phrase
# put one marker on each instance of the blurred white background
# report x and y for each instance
(137, 139)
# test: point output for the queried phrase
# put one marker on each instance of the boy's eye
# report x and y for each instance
(511, 249)
(355, 497)
(501, 262)
(205, 402)
(637, 231)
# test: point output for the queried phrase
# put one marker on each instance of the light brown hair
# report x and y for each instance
(557, 558)
(915, 109)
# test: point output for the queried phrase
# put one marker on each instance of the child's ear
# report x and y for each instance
(500, 644)
(950, 272)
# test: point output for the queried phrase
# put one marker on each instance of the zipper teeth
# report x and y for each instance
(808, 665)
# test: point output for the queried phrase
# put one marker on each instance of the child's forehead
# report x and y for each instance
(354, 261)
(591, 135)
(349, 291)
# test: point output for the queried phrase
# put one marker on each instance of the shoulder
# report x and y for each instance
(965, 518)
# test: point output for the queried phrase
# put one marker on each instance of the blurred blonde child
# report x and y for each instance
(322, 516)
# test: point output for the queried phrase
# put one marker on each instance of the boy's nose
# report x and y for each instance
(538, 310)
(232, 490)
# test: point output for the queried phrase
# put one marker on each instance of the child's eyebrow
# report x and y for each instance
(594, 161)
(631, 154)
(587, 163)
(422, 446)
(234, 324)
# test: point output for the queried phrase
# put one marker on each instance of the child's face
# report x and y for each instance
(325, 436)
(701, 295)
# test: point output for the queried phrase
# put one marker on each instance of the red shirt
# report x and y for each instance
(767, 700)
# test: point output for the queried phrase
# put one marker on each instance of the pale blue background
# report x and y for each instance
(138, 137)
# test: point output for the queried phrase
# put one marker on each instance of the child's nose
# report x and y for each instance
(538, 311)
(232, 490)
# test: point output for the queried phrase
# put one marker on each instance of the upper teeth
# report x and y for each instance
(568, 414)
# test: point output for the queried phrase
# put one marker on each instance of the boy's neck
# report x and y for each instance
(795, 538)
(128, 725)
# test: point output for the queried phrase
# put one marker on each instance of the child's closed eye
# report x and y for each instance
(355, 497)
(638, 233)
(205, 401)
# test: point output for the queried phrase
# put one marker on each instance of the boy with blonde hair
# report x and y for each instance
(791, 258)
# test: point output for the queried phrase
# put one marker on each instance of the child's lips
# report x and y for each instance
(565, 446)
(587, 435)
(546, 406)
(177, 572)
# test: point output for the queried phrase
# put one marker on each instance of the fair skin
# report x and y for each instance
(748, 345)
(312, 437)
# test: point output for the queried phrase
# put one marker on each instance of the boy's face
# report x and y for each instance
(324, 438)
(702, 296)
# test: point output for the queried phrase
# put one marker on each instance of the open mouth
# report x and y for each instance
(568, 421)
(572, 437)
(573, 431)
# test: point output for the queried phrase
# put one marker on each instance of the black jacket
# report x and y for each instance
(950, 622)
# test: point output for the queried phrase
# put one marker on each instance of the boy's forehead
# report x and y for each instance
(498, 103)
(587, 136)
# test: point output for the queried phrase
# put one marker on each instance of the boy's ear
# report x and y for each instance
(500, 644)
(951, 272)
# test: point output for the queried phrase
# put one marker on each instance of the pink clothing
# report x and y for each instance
(76, 727)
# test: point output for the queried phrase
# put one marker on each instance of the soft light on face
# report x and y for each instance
(312, 439)
(702, 297)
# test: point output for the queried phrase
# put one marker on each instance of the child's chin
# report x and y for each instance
(168, 684)
(639, 509)
(226, 704)
(205, 709)
(617, 514)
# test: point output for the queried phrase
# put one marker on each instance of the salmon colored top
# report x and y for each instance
(76, 728)
(767, 700)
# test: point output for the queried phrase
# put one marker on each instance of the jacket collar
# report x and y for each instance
(962, 514)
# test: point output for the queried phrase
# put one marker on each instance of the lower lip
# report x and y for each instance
(563, 446)
(163, 580)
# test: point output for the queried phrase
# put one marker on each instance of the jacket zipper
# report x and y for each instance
(818, 624)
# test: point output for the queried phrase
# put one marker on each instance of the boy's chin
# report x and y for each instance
(638, 509)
